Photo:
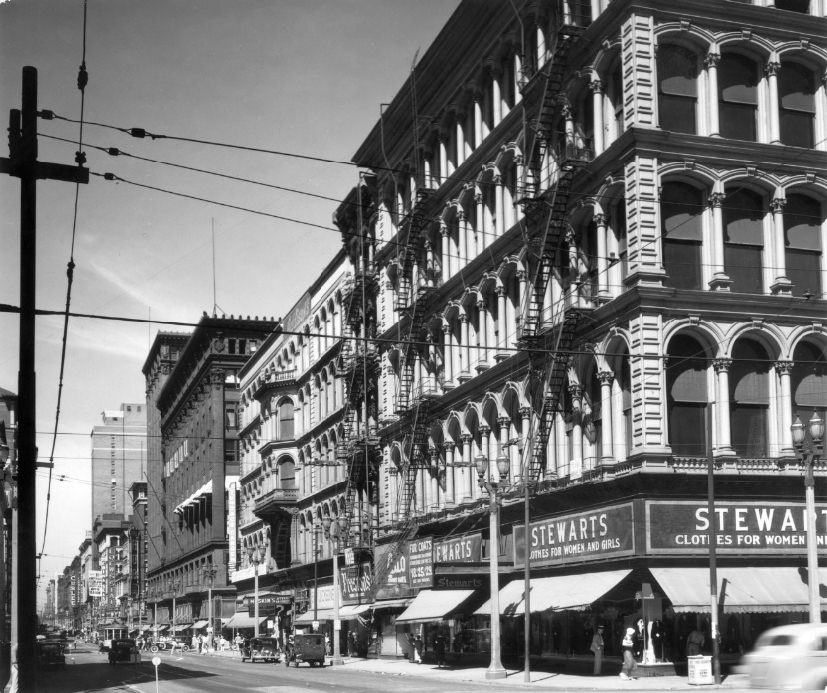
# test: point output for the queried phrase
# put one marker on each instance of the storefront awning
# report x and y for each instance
(319, 615)
(559, 592)
(740, 590)
(433, 605)
(161, 628)
(181, 626)
(199, 624)
(241, 619)
(353, 610)
(392, 603)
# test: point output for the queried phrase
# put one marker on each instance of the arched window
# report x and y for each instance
(796, 105)
(738, 97)
(286, 418)
(749, 383)
(677, 88)
(687, 399)
(614, 95)
(681, 218)
(803, 219)
(808, 382)
(743, 215)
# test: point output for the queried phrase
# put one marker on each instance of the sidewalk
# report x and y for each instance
(516, 680)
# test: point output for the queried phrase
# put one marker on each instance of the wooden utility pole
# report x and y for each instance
(23, 164)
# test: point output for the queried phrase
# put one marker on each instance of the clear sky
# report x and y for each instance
(299, 76)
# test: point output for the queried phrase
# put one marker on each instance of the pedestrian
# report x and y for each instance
(597, 648)
(694, 643)
(629, 664)
(172, 645)
(439, 650)
(418, 647)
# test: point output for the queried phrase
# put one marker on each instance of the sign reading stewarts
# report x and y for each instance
(578, 537)
(749, 526)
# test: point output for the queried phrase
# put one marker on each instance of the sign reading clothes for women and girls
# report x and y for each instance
(684, 526)
(596, 534)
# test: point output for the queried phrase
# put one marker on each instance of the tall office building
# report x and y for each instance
(118, 458)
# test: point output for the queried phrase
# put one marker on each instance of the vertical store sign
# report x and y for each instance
(421, 562)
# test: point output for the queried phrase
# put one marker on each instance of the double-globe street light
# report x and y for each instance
(810, 452)
(339, 533)
(493, 488)
(173, 586)
(208, 572)
(256, 555)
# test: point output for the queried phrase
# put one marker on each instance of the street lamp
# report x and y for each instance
(495, 669)
(339, 532)
(173, 585)
(256, 556)
(810, 452)
(208, 572)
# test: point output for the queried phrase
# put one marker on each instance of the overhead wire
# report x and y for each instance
(80, 159)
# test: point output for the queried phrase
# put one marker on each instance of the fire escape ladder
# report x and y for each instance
(553, 229)
(552, 383)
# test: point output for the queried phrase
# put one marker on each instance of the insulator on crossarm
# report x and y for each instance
(83, 76)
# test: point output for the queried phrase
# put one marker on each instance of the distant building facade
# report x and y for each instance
(198, 459)
(119, 458)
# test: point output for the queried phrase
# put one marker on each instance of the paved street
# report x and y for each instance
(88, 670)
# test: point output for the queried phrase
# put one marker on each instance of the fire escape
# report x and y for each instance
(547, 332)
(413, 398)
(358, 365)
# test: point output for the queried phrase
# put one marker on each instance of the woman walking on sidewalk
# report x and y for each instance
(629, 663)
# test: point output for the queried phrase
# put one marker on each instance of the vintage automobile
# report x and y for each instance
(50, 653)
(263, 648)
(124, 650)
(792, 657)
(306, 647)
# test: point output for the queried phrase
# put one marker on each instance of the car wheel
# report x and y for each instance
(185, 648)
(154, 648)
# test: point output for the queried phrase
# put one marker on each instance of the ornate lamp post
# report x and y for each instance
(208, 573)
(495, 669)
(256, 556)
(173, 586)
(810, 452)
(339, 532)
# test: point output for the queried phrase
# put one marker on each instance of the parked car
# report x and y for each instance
(124, 650)
(792, 657)
(306, 647)
(266, 649)
(50, 653)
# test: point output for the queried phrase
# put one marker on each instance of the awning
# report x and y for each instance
(740, 590)
(161, 628)
(433, 605)
(203, 491)
(199, 624)
(392, 603)
(241, 619)
(559, 592)
(353, 610)
(181, 626)
(319, 615)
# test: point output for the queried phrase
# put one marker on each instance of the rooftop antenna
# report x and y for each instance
(215, 306)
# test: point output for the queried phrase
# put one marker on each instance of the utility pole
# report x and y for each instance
(22, 163)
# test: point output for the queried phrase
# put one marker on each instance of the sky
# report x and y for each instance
(305, 77)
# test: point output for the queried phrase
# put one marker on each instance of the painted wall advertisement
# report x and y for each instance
(607, 532)
(750, 526)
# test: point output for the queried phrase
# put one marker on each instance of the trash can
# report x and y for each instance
(700, 670)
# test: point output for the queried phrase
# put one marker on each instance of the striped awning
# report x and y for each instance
(740, 589)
